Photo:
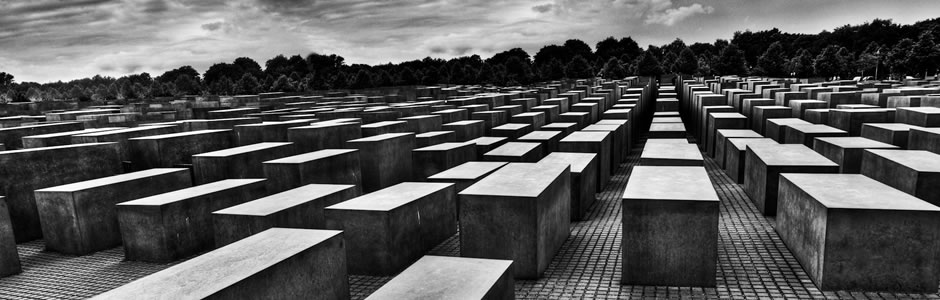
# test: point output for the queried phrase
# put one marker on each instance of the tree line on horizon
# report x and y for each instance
(846, 52)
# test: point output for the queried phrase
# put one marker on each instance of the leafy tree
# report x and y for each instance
(730, 61)
(249, 66)
(687, 63)
(5, 79)
(407, 77)
(282, 84)
(553, 70)
(579, 48)
(247, 85)
(518, 70)
(578, 68)
(899, 59)
(363, 80)
(829, 63)
(487, 75)
(869, 59)
(172, 75)
(614, 69)
(384, 79)
(340, 81)
(802, 64)
(773, 61)
(926, 53)
(668, 62)
(648, 65)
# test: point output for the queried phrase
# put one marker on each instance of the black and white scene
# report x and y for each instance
(475, 149)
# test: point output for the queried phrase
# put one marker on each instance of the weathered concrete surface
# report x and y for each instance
(384, 127)
(59, 138)
(239, 162)
(168, 150)
(889, 133)
(924, 139)
(735, 150)
(851, 120)
(807, 134)
(762, 113)
(520, 212)
(331, 166)
(167, 227)
(12, 138)
(721, 140)
(232, 113)
(717, 121)
(583, 179)
(597, 142)
(799, 107)
(122, 136)
(515, 152)
(776, 129)
(565, 128)
(536, 119)
(443, 277)
(435, 159)
(764, 163)
(297, 208)
(667, 131)
(423, 124)
(467, 174)
(665, 154)
(323, 135)
(548, 139)
(847, 151)
(27, 170)
(512, 131)
(452, 115)
(466, 130)
(385, 159)
(9, 256)
(280, 263)
(918, 116)
(230, 123)
(847, 237)
(432, 138)
(80, 218)
(388, 230)
(911, 171)
(266, 132)
(670, 227)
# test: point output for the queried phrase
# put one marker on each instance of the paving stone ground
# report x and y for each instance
(753, 262)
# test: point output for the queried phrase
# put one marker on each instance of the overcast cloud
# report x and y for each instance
(48, 40)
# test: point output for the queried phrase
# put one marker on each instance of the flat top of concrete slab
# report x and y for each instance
(666, 114)
(788, 121)
(891, 126)
(592, 99)
(667, 100)
(391, 197)
(126, 130)
(667, 127)
(926, 129)
(667, 120)
(433, 134)
(667, 141)
(235, 109)
(855, 142)
(727, 115)
(924, 109)
(586, 136)
(444, 277)
(296, 123)
(55, 148)
(578, 161)
(464, 123)
(771, 107)
(188, 193)
(512, 126)
(518, 180)
(420, 117)
(669, 183)
(575, 113)
(382, 137)
(678, 151)
(559, 125)
(855, 191)
(70, 133)
(540, 135)
(513, 149)
(287, 199)
(789, 155)
(179, 134)
(918, 160)
(815, 128)
(741, 143)
(243, 149)
(863, 110)
(444, 147)
(383, 124)
(309, 156)
(94, 183)
(545, 107)
(469, 170)
(611, 122)
(447, 111)
(327, 124)
(224, 267)
(805, 100)
(487, 140)
(617, 110)
(601, 127)
(529, 114)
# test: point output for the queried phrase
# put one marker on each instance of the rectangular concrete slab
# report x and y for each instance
(458, 278)
(764, 163)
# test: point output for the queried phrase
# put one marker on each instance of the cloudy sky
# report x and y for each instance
(48, 40)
